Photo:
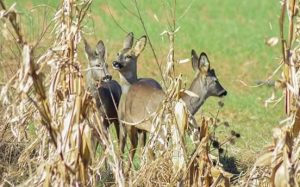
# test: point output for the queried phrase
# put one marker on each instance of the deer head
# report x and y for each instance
(97, 68)
(205, 84)
(126, 61)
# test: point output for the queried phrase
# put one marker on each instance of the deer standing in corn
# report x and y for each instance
(107, 92)
(142, 96)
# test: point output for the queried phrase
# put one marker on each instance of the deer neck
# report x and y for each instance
(194, 103)
(127, 79)
(91, 83)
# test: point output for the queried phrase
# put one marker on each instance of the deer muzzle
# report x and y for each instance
(222, 93)
(106, 78)
(117, 65)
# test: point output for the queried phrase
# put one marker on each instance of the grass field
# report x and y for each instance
(231, 32)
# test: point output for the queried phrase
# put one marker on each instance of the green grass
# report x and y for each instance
(233, 35)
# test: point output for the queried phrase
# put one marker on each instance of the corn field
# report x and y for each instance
(48, 94)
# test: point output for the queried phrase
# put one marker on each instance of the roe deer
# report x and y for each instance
(143, 96)
(127, 67)
(107, 92)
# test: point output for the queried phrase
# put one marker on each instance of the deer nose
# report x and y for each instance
(117, 65)
(223, 93)
(107, 78)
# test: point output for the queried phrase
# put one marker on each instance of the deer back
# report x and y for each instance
(142, 101)
(108, 96)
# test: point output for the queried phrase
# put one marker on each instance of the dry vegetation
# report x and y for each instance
(49, 121)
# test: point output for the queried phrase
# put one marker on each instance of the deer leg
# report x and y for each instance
(151, 154)
(106, 131)
(106, 127)
(117, 127)
(134, 142)
(122, 139)
(142, 138)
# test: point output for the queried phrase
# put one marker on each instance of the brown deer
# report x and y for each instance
(142, 96)
(107, 92)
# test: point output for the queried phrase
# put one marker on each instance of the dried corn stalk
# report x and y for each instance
(64, 115)
(173, 165)
(279, 165)
(59, 106)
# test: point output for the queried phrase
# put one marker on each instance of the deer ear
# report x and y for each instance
(140, 45)
(128, 42)
(204, 64)
(87, 48)
(100, 49)
(195, 62)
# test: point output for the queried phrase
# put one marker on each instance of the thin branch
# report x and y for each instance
(281, 23)
(114, 19)
(174, 16)
(44, 25)
(128, 10)
(291, 22)
(12, 18)
(186, 10)
(2, 5)
(43, 33)
(168, 7)
(150, 43)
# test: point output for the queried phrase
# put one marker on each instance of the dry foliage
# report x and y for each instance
(48, 94)
(58, 106)
(279, 165)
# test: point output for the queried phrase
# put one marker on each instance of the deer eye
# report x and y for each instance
(211, 80)
(128, 57)
(98, 65)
